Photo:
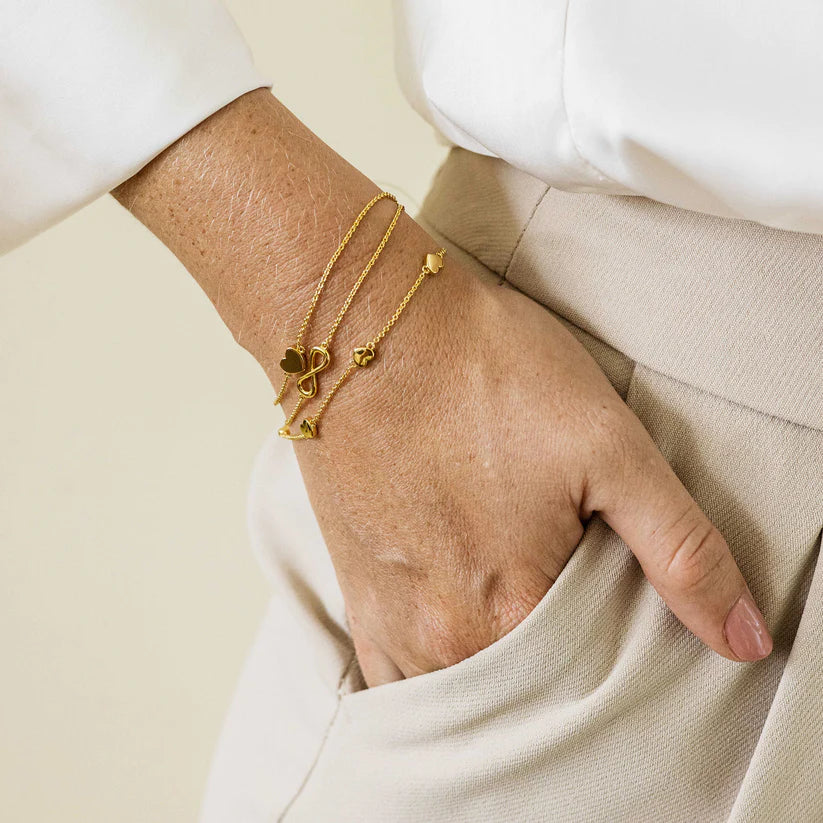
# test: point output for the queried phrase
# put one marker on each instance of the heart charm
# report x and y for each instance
(308, 428)
(293, 362)
(363, 355)
(433, 262)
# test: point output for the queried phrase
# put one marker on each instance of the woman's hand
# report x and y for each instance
(451, 484)
(452, 476)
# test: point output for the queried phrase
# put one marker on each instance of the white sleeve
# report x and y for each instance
(92, 90)
(711, 106)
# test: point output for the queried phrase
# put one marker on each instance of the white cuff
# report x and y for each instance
(92, 90)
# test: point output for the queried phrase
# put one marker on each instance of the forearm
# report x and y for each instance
(253, 204)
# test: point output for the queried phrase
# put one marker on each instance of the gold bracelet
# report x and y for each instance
(361, 356)
(295, 362)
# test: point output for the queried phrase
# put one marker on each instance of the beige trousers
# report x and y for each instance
(600, 706)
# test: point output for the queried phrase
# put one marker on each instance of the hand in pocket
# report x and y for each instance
(453, 484)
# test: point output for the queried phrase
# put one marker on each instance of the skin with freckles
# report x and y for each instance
(453, 476)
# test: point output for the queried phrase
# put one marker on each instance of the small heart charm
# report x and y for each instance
(293, 362)
(433, 263)
(363, 355)
(308, 428)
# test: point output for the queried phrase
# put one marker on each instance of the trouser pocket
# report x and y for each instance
(601, 706)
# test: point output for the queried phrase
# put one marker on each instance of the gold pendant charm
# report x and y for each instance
(293, 361)
(319, 358)
(363, 355)
(434, 263)
(308, 431)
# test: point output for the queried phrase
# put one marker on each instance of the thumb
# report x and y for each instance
(683, 555)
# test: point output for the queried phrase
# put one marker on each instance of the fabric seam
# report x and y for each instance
(345, 673)
(505, 272)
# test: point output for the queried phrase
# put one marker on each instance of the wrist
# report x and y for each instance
(253, 203)
(339, 321)
(412, 377)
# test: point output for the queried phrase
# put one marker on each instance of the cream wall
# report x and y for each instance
(128, 423)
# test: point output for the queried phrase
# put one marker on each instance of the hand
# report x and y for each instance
(452, 485)
(453, 476)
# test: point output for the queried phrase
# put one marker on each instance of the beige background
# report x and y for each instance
(128, 423)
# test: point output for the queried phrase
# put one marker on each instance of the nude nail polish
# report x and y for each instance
(746, 631)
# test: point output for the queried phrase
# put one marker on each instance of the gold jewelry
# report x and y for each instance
(361, 356)
(294, 362)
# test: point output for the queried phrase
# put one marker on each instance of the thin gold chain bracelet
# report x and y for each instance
(296, 362)
(361, 356)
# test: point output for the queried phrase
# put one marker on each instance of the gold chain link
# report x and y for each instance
(361, 356)
(295, 354)
(372, 260)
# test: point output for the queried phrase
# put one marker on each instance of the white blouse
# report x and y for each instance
(92, 90)
(716, 107)
(711, 106)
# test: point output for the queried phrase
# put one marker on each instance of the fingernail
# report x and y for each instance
(746, 631)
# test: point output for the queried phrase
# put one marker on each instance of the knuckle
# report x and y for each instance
(452, 637)
(696, 559)
(449, 647)
(444, 639)
(513, 610)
